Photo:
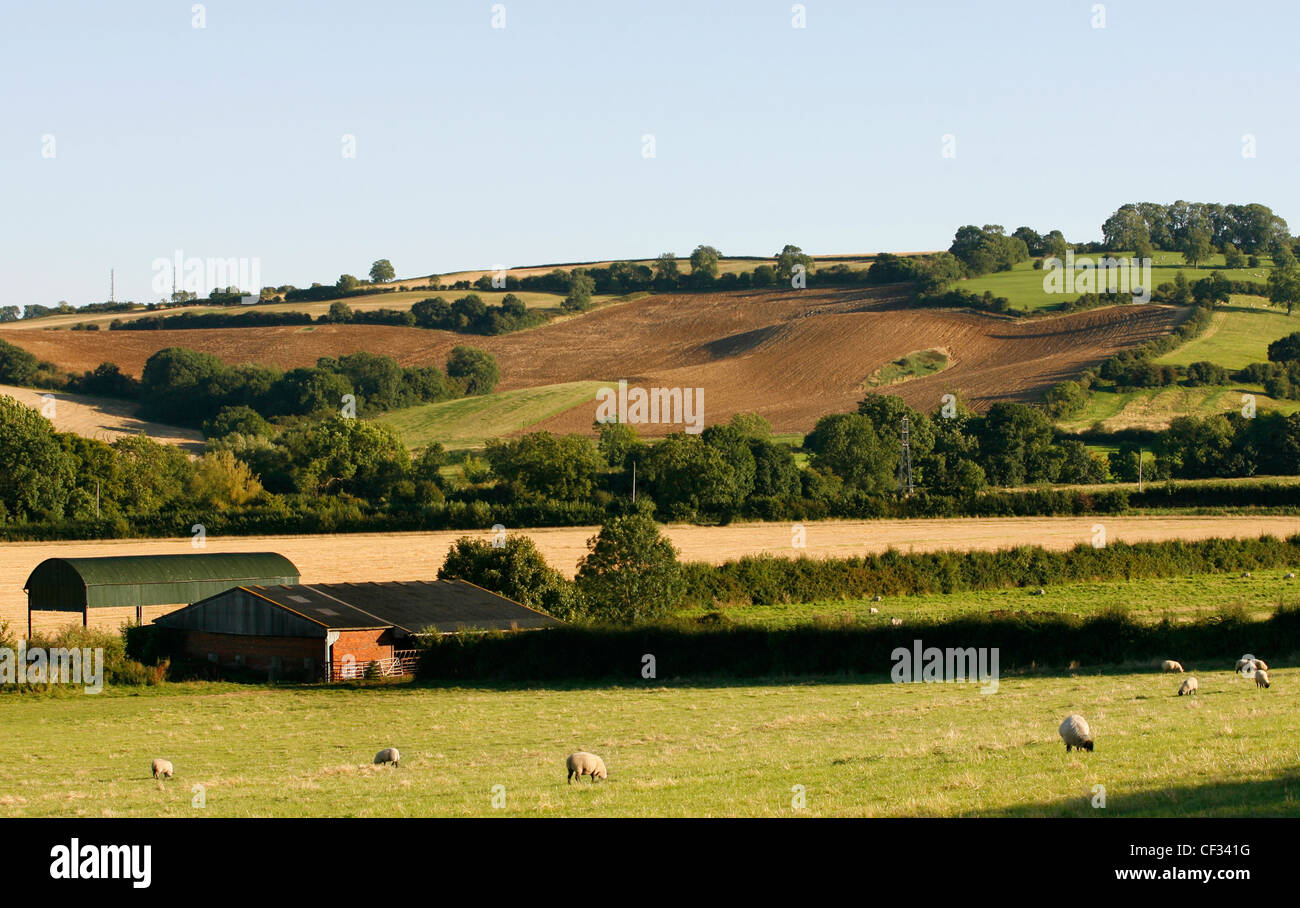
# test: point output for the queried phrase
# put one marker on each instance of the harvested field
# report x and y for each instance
(413, 556)
(103, 418)
(791, 356)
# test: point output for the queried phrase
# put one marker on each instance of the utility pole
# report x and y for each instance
(905, 459)
(112, 286)
(1139, 468)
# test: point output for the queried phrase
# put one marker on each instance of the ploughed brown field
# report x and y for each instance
(791, 356)
(360, 557)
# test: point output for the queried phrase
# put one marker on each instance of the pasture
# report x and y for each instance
(1023, 284)
(860, 747)
(104, 418)
(468, 422)
(1238, 335)
(1154, 408)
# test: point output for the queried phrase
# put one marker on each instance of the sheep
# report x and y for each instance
(1169, 665)
(1076, 733)
(162, 768)
(875, 611)
(1189, 687)
(1246, 665)
(388, 755)
(581, 763)
(879, 598)
(1038, 592)
(1260, 664)
(1290, 575)
(1245, 575)
(1261, 678)
(896, 622)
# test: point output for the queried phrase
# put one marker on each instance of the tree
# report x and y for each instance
(630, 573)
(17, 366)
(514, 569)
(581, 286)
(547, 467)
(347, 283)
(1211, 290)
(689, 478)
(475, 369)
(1285, 349)
(788, 258)
(239, 420)
(381, 272)
(1284, 287)
(354, 457)
(340, 313)
(1233, 257)
(666, 275)
(848, 446)
(1197, 247)
(222, 482)
(704, 260)
(38, 475)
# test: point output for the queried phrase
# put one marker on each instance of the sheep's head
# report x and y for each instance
(1087, 745)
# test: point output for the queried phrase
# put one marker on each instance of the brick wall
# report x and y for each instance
(259, 653)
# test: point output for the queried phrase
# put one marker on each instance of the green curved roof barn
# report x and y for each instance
(75, 584)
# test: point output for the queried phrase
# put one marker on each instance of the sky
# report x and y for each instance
(127, 133)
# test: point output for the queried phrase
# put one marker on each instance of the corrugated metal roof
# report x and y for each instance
(127, 580)
(439, 606)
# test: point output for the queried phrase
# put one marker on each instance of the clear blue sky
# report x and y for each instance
(477, 146)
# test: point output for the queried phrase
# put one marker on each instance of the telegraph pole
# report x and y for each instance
(905, 459)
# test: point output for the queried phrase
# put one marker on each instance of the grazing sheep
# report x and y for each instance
(1245, 575)
(1076, 733)
(582, 764)
(162, 768)
(879, 598)
(1189, 686)
(388, 755)
(1260, 664)
(1261, 678)
(1290, 575)
(896, 622)
(1038, 592)
(875, 611)
(1169, 665)
(1246, 661)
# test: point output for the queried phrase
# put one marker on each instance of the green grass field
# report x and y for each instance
(1153, 408)
(859, 748)
(1239, 334)
(914, 365)
(468, 423)
(1023, 285)
(1197, 597)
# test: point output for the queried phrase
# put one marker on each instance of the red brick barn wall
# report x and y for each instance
(258, 652)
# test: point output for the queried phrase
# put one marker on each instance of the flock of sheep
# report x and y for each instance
(1074, 730)
(579, 764)
(1076, 734)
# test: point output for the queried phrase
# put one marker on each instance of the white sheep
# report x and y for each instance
(896, 622)
(1038, 592)
(162, 768)
(1261, 664)
(388, 755)
(878, 598)
(1245, 662)
(875, 611)
(1189, 686)
(1290, 575)
(1245, 575)
(580, 763)
(1261, 678)
(1076, 733)
(1169, 665)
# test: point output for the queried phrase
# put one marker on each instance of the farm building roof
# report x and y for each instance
(413, 607)
(72, 584)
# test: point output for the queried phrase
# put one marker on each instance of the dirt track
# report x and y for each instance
(414, 556)
(792, 357)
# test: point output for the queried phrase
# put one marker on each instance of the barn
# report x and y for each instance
(106, 593)
(337, 631)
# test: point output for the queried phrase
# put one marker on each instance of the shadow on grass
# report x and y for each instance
(1279, 797)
